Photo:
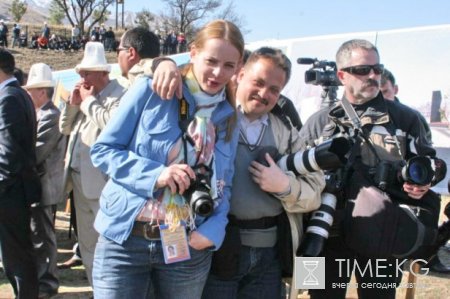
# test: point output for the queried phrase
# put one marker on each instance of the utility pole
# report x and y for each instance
(123, 6)
(117, 13)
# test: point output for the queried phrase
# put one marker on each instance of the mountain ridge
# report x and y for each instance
(38, 13)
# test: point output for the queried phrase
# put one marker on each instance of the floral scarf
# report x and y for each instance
(174, 208)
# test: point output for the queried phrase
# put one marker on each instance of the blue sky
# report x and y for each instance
(283, 19)
(273, 21)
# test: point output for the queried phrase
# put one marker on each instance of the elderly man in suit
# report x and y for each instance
(19, 180)
(90, 106)
(50, 150)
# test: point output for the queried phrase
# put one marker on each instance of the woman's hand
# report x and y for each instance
(177, 177)
(198, 241)
(167, 80)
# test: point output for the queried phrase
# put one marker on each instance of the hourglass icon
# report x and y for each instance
(310, 279)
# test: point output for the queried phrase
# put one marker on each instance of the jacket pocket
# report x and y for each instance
(113, 201)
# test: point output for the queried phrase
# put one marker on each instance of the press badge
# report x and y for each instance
(174, 244)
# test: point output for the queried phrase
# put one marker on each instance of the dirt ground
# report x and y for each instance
(57, 60)
(74, 284)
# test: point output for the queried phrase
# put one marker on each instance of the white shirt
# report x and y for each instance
(252, 129)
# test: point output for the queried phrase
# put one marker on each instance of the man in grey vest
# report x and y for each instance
(263, 192)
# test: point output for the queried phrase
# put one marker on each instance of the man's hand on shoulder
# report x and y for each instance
(167, 80)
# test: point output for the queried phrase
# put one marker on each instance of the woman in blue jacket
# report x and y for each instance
(160, 161)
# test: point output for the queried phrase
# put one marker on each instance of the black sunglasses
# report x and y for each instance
(363, 70)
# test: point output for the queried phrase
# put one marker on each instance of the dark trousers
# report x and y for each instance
(17, 249)
(340, 262)
(44, 242)
(258, 277)
(4, 41)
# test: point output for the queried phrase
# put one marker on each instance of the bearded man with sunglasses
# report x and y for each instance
(395, 133)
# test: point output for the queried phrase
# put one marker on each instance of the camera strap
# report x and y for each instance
(277, 110)
(359, 130)
(183, 123)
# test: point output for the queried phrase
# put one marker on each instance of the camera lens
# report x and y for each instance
(318, 227)
(198, 194)
(329, 155)
(418, 171)
(201, 203)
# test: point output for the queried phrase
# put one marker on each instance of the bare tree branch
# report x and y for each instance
(81, 11)
(229, 13)
(183, 14)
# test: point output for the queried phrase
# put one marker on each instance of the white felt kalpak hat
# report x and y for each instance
(94, 59)
(40, 75)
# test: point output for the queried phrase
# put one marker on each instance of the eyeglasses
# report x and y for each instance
(363, 70)
(121, 49)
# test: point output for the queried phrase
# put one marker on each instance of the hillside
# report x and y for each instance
(38, 11)
(35, 13)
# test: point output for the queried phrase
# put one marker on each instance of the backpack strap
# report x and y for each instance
(278, 112)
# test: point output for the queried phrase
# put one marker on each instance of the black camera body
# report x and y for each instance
(198, 194)
(321, 73)
(417, 170)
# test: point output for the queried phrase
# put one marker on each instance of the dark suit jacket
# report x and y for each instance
(18, 176)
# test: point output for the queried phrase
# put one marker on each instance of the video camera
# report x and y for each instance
(321, 73)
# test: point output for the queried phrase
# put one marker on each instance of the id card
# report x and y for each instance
(174, 244)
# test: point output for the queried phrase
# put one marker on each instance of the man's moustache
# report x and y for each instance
(262, 100)
(371, 82)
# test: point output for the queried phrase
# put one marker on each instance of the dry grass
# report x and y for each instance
(57, 60)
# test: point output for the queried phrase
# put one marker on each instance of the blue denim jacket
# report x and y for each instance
(132, 150)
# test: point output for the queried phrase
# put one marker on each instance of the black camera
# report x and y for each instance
(329, 155)
(417, 170)
(321, 73)
(198, 194)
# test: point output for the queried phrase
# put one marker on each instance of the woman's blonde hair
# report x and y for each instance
(230, 32)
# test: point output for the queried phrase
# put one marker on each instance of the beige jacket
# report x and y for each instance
(305, 191)
(88, 119)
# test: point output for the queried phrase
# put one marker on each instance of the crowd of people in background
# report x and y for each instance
(170, 43)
